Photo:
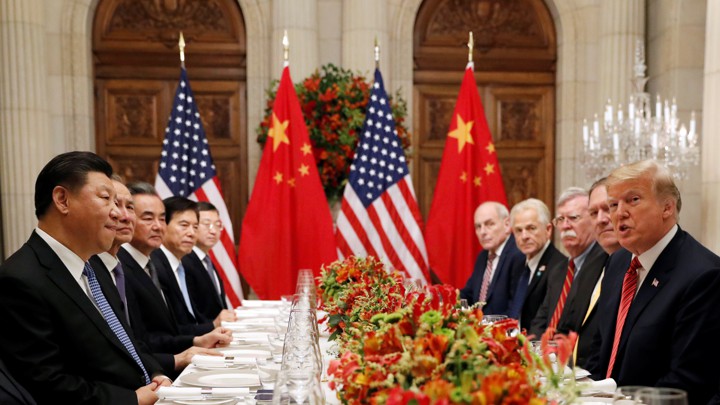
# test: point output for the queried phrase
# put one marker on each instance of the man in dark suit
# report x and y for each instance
(12, 393)
(659, 317)
(499, 264)
(126, 304)
(156, 322)
(62, 342)
(584, 265)
(580, 311)
(204, 283)
(530, 222)
(181, 216)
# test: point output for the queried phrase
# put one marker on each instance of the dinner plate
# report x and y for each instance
(209, 401)
(221, 378)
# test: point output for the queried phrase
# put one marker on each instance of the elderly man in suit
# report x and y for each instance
(204, 283)
(498, 265)
(65, 344)
(530, 222)
(123, 299)
(572, 292)
(659, 317)
(580, 311)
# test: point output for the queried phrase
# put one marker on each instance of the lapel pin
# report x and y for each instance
(540, 271)
(655, 282)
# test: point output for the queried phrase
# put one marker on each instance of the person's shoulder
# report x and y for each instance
(23, 263)
(696, 256)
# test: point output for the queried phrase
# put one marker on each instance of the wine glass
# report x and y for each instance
(662, 396)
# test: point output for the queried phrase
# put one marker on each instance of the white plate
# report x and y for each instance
(594, 400)
(221, 378)
(204, 401)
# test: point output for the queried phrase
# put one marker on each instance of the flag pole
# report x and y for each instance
(470, 45)
(377, 54)
(181, 45)
(286, 49)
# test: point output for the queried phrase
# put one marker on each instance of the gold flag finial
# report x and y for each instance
(377, 54)
(286, 48)
(181, 45)
(471, 45)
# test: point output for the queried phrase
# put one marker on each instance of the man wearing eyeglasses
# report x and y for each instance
(584, 266)
(205, 285)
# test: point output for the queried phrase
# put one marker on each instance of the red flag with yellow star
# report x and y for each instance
(469, 175)
(287, 225)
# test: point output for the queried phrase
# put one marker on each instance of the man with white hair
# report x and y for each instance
(530, 222)
(584, 265)
(499, 263)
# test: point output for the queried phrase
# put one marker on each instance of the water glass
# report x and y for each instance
(298, 386)
(662, 396)
(464, 304)
(628, 395)
(276, 343)
(490, 319)
(267, 372)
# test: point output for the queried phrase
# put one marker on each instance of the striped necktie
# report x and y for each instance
(569, 276)
(629, 288)
(111, 318)
(487, 277)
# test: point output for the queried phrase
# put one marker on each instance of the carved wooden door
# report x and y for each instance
(136, 70)
(514, 55)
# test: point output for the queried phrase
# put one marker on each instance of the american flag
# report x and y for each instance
(187, 170)
(379, 214)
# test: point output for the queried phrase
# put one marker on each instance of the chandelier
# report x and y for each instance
(634, 133)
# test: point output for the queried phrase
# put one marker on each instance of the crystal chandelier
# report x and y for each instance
(634, 133)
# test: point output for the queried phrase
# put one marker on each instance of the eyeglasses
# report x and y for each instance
(572, 219)
(212, 225)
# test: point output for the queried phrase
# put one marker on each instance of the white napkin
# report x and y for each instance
(197, 392)
(607, 385)
(201, 360)
(261, 303)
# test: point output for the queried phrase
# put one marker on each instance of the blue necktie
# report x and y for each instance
(111, 318)
(519, 300)
(183, 288)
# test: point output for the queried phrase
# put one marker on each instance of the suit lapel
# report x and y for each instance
(60, 275)
(540, 272)
(655, 280)
(583, 286)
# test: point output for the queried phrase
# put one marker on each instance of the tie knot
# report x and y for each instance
(88, 271)
(491, 256)
(634, 265)
(118, 269)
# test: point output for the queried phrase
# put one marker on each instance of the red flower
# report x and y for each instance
(398, 396)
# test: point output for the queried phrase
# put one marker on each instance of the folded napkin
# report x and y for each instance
(607, 385)
(261, 303)
(172, 393)
(201, 360)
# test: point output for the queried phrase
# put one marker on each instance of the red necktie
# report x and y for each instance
(569, 276)
(487, 277)
(628, 293)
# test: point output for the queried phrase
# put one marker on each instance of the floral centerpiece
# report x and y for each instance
(423, 348)
(333, 101)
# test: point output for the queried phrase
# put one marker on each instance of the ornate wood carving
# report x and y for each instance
(215, 115)
(133, 116)
(169, 15)
(515, 76)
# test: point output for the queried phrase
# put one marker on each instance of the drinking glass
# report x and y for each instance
(464, 304)
(662, 396)
(628, 395)
(297, 386)
(267, 372)
(276, 343)
(489, 319)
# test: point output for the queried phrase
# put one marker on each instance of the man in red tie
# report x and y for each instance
(659, 307)
(585, 262)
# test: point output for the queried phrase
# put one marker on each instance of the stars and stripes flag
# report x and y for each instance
(379, 215)
(187, 170)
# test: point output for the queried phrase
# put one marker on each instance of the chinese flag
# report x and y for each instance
(287, 225)
(469, 175)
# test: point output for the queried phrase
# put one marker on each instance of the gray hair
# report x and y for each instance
(534, 204)
(142, 188)
(571, 193)
(501, 209)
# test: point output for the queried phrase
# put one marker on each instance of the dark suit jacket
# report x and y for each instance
(12, 393)
(162, 355)
(503, 283)
(594, 261)
(153, 321)
(670, 333)
(201, 288)
(59, 346)
(175, 299)
(578, 302)
(550, 268)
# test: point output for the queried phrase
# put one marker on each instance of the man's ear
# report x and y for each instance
(61, 197)
(669, 208)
